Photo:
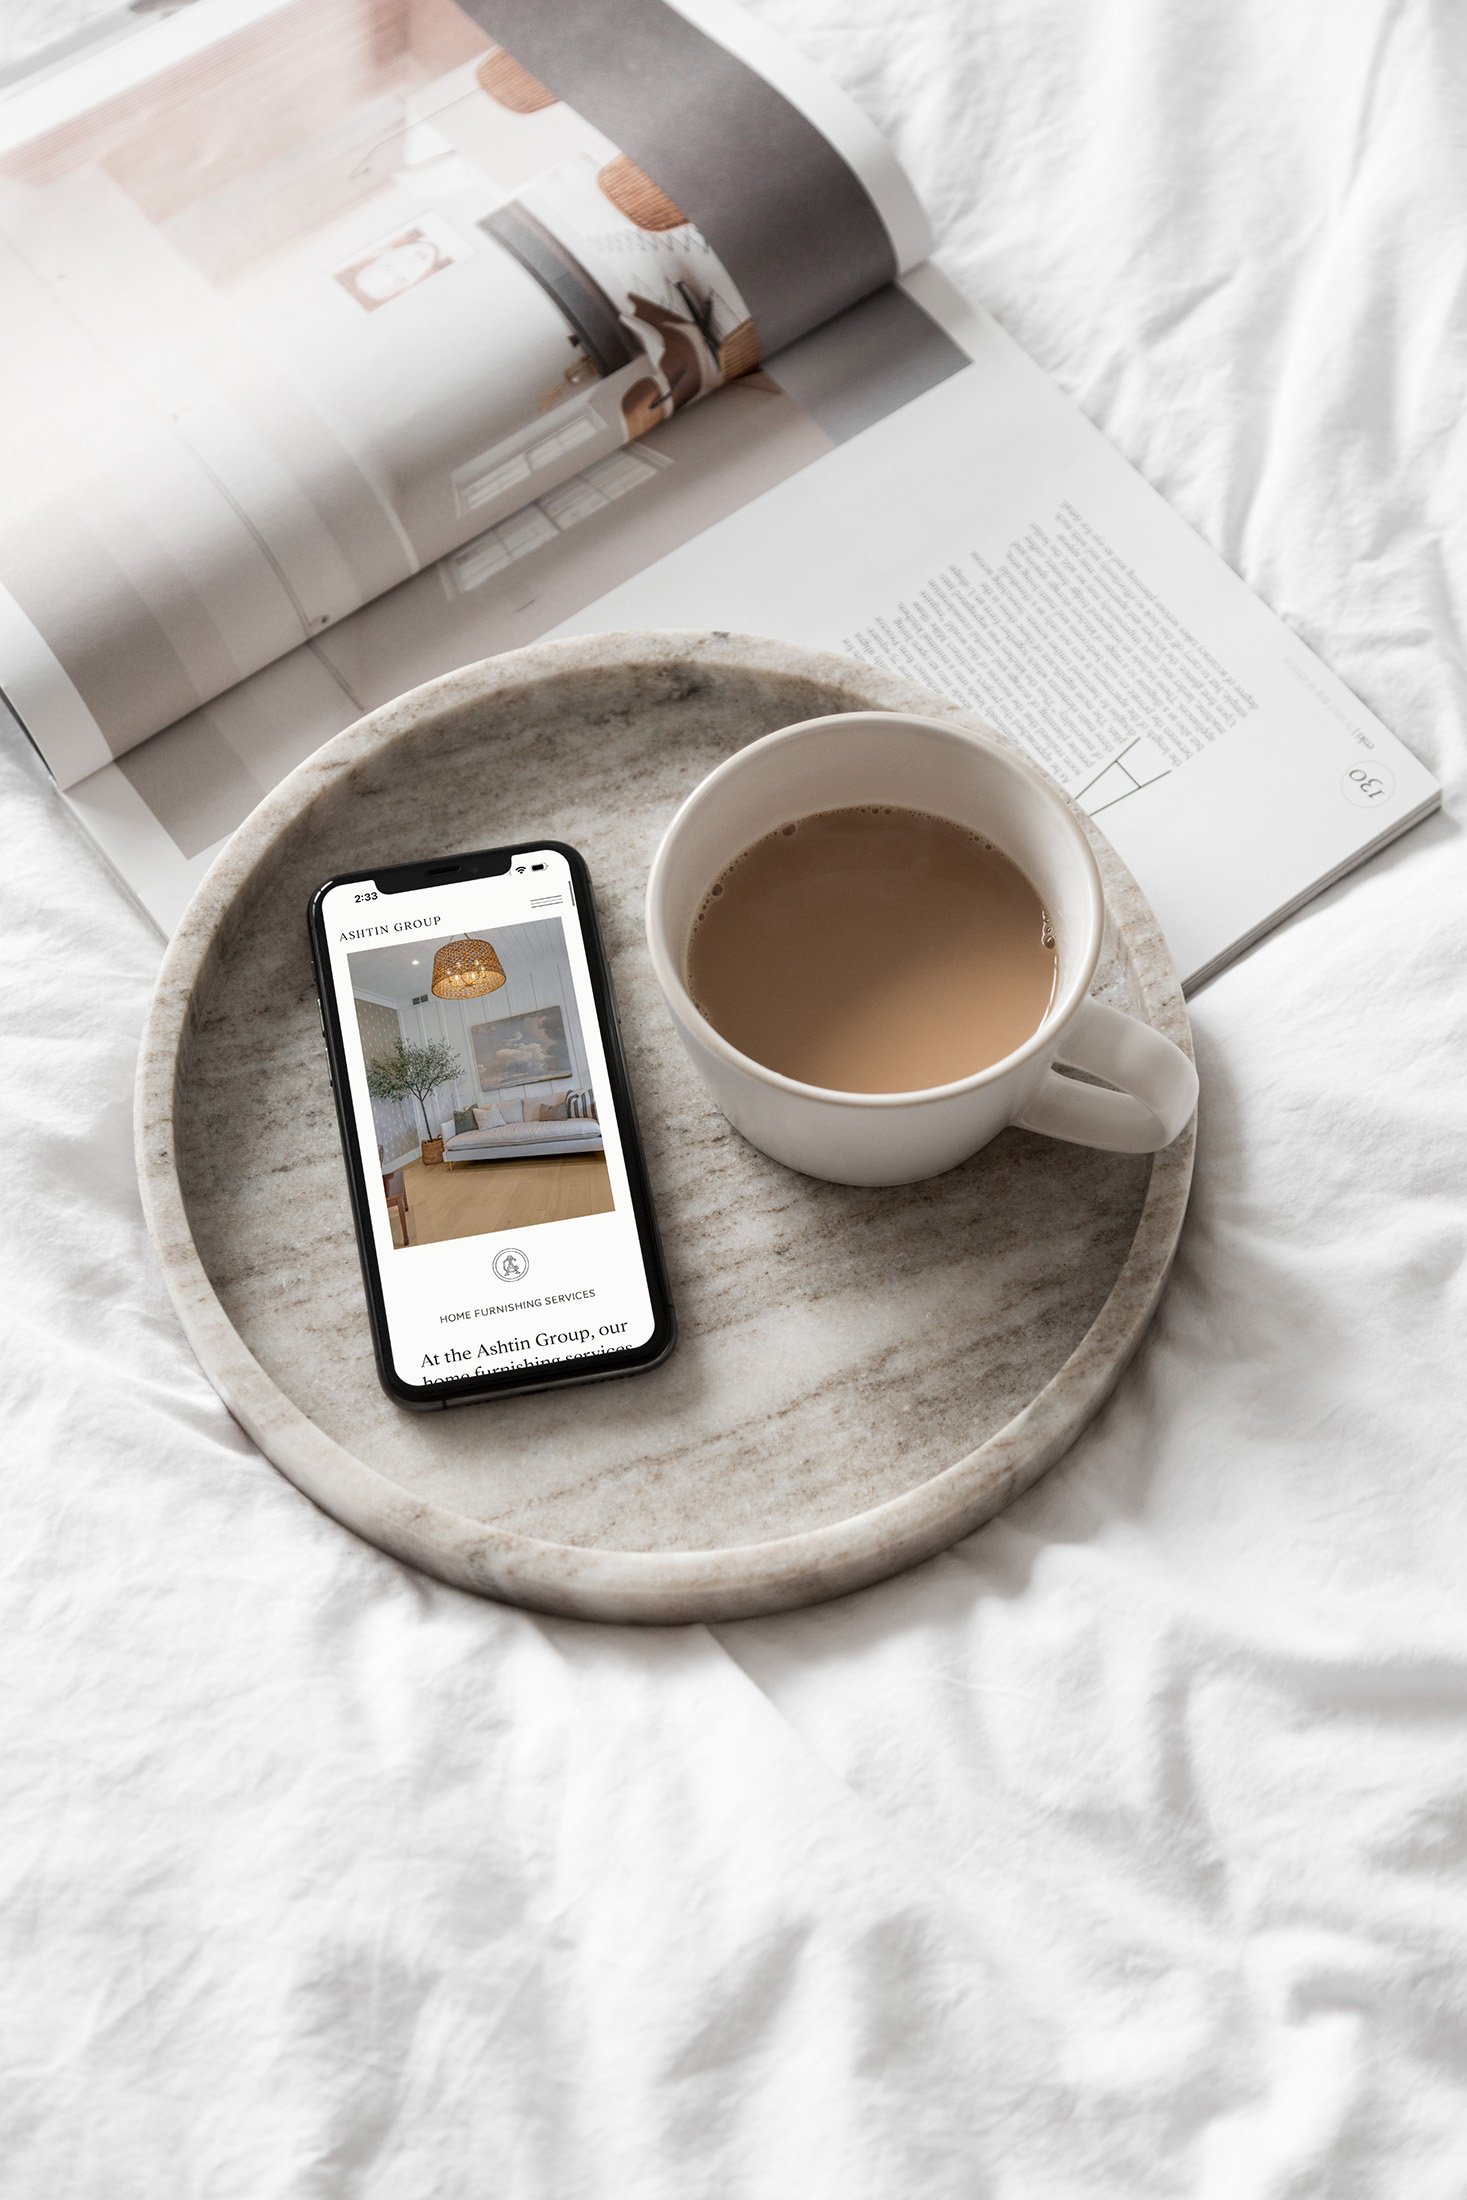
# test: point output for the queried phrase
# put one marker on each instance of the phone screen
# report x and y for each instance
(467, 1012)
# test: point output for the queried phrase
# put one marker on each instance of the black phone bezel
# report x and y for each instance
(402, 878)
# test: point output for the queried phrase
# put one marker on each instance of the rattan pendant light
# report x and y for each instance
(466, 970)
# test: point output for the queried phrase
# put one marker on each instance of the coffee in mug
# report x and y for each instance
(873, 949)
(884, 1092)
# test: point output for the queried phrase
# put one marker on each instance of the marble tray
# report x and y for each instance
(861, 1376)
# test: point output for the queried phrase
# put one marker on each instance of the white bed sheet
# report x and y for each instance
(1119, 1852)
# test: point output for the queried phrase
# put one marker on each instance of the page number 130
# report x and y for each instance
(1367, 786)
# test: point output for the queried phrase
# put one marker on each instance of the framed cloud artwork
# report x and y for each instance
(521, 1050)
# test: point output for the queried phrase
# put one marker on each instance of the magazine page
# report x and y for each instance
(165, 807)
(988, 543)
(906, 486)
(301, 295)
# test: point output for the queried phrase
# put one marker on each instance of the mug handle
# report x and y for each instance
(1158, 1086)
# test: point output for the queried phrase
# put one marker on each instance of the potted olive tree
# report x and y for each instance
(417, 1072)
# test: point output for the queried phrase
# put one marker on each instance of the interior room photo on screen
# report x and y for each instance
(494, 1125)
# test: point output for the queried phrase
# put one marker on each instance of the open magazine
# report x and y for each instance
(352, 340)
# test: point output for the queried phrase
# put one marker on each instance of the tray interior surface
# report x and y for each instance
(837, 1347)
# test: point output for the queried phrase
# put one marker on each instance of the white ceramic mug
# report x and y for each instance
(901, 1137)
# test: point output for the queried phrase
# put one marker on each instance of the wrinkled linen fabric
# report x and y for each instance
(1122, 1851)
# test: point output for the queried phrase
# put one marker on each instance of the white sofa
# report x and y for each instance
(497, 1141)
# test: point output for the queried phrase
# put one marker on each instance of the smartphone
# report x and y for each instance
(502, 1209)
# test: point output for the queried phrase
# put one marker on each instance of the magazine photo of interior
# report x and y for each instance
(484, 1108)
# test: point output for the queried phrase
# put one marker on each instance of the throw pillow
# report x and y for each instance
(550, 1112)
(488, 1119)
(464, 1120)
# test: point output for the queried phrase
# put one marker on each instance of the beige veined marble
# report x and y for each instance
(861, 1376)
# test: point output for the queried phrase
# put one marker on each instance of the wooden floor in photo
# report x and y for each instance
(479, 1196)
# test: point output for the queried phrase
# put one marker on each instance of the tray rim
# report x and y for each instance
(568, 1580)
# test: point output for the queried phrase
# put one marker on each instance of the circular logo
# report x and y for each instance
(1368, 786)
(510, 1264)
